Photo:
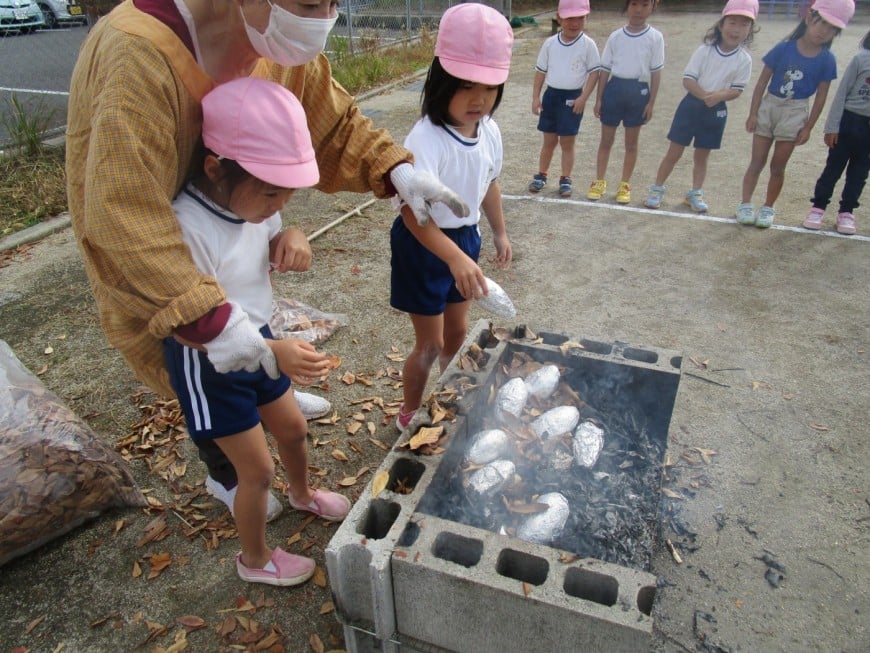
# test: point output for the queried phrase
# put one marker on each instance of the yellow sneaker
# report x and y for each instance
(623, 195)
(596, 190)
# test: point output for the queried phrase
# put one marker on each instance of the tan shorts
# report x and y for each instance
(781, 119)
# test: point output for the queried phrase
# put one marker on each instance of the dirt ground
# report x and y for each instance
(773, 327)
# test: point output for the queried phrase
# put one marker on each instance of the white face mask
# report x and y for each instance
(290, 40)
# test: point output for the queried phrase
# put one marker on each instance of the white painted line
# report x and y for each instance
(32, 90)
(703, 217)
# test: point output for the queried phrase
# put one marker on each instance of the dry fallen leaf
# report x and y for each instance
(818, 427)
(348, 481)
(569, 344)
(527, 588)
(137, 570)
(338, 454)
(319, 577)
(426, 435)
(327, 607)
(316, 643)
(379, 484)
(191, 622)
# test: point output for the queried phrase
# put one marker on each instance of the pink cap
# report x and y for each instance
(573, 8)
(474, 43)
(748, 8)
(260, 125)
(837, 12)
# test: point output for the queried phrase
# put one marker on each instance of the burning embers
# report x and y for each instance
(559, 453)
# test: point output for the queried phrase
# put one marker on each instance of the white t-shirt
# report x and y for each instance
(567, 64)
(467, 166)
(634, 56)
(715, 70)
(233, 251)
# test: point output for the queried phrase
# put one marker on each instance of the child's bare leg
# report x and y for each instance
(632, 136)
(608, 133)
(567, 145)
(699, 167)
(289, 428)
(249, 454)
(760, 149)
(781, 154)
(428, 331)
(455, 330)
(547, 149)
(666, 167)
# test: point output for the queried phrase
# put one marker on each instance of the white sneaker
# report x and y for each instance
(311, 405)
(228, 497)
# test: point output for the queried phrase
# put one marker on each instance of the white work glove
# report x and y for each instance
(240, 346)
(419, 190)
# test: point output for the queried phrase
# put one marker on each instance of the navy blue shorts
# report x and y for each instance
(557, 112)
(214, 404)
(624, 100)
(420, 282)
(695, 120)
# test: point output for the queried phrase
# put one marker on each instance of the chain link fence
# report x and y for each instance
(387, 22)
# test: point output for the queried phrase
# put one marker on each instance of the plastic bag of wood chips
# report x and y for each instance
(292, 319)
(55, 473)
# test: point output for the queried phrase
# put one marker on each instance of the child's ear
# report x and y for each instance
(212, 168)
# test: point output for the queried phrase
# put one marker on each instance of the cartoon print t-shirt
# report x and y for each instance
(796, 77)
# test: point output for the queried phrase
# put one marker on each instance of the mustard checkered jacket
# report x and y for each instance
(133, 127)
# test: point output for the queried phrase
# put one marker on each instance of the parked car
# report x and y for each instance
(61, 12)
(20, 15)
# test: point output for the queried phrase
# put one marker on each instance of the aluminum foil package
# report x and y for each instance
(511, 398)
(487, 446)
(544, 527)
(556, 421)
(542, 382)
(497, 301)
(488, 480)
(588, 443)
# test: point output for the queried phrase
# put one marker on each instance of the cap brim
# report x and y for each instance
(833, 20)
(746, 14)
(473, 72)
(285, 175)
(573, 14)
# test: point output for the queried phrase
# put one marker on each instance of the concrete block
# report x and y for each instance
(459, 588)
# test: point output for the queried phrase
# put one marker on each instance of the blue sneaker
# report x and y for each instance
(695, 199)
(765, 217)
(745, 213)
(565, 186)
(538, 182)
(654, 198)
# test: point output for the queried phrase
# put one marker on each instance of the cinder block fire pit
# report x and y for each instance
(533, 527)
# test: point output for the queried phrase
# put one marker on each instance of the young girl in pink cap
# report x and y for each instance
(717, 73)
(797, 68)
(257, 152)
(434, 266)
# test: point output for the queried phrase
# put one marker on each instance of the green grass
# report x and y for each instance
(32, 177)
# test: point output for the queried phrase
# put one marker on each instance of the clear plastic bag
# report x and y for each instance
(55, 474)
(292, 319)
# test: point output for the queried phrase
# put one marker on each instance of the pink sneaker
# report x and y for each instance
(814, 219)
(846, 223)
(283, 569)
(403, 418)
(330, 506)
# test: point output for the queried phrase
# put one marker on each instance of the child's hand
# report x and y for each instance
(469, 278)
(579, 106)
(751, 123)
(290, 251)
(536, 106)
(831, 139)
(503, 251)
(803, 135)
(711, 100)
(300, 360)
(596, 110)
(647, 113)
